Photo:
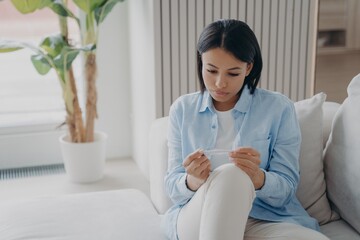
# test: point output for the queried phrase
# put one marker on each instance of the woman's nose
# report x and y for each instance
(220, 82)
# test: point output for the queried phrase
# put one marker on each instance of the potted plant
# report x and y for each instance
(58, 53)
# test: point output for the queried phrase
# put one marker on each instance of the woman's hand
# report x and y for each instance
(197, 167)
(248, 159)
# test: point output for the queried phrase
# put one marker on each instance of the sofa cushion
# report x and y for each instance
(312, 188)
(329, 111)
(342, 157)
(339, 230)
(158, 153)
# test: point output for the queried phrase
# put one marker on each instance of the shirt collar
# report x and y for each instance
(242, 105)
(206, 102)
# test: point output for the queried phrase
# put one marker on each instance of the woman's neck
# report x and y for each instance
(225, 106)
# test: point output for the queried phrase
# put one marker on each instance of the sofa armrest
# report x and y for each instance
(329, 110)
(158, 161)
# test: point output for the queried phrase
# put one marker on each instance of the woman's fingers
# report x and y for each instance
(198, 153)
(246, 150)
(197, 164)
(246, 153)
(248, 159)
(247, 166)
(197, 167)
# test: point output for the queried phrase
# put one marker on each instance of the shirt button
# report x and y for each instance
(213, 126)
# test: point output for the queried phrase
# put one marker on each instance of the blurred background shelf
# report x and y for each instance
(338, 47)
(338, 26)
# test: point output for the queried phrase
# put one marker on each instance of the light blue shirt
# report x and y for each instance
(265, 121)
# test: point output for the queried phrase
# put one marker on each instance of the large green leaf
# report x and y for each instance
(64, 60)
(88, 48)
(59, 7)
(26, 6)
(69, 54)
(102, 11)
(89, 5)
(53, 45)
(41, 64)
(45, 3)
(10, 46)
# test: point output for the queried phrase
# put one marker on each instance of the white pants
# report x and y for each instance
(220, 209)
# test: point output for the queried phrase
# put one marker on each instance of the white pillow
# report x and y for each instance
(342, 157)
(312, 188)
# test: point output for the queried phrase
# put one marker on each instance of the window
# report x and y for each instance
(31, 105)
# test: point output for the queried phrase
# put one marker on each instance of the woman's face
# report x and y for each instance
(223, 76)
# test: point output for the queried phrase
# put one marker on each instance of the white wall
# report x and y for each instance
(142, 77)
(114, 82)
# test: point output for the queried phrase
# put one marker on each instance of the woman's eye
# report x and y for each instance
(234, 74)
(211, 71)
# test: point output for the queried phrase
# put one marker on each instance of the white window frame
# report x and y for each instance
(39, 144)
(32, 144)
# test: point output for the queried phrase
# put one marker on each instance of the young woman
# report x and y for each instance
(233, 149)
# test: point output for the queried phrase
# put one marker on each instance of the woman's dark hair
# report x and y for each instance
(237, 38)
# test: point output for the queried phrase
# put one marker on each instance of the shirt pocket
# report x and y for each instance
(263, 147)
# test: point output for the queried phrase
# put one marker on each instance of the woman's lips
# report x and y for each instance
(220, 93)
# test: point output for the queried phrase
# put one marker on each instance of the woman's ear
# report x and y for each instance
(249, 68)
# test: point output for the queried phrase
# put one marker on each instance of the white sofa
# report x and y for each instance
(328, 188)
(125, 214)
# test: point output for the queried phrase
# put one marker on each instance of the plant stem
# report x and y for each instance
(91, 111)
(74, 118)
(91, 75)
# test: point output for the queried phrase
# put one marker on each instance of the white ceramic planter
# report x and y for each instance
(84, 162)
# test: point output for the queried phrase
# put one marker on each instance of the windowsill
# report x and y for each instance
(33, 128)
(119, 174)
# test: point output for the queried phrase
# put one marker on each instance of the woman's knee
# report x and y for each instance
(231, 175)
(231, 172)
